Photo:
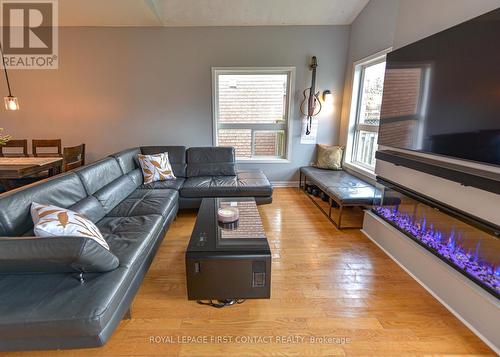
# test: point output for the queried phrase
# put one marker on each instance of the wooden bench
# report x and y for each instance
(344, 191)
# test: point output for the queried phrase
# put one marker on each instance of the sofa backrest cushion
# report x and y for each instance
(63, 190)
(211, 161)
(136, 176)
(90, 207)
(97, 175)
(127, 159)
(176, 156)
(114, 192)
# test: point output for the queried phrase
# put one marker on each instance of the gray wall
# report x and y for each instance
(422, 18)
(395, 23)
(120, 87)
(371, 32)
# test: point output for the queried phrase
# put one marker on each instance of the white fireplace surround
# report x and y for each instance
(471, 304)
(476, 202)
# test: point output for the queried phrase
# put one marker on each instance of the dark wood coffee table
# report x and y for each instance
(228, 264)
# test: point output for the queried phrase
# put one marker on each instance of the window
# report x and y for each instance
(368, 85)
(251, 108)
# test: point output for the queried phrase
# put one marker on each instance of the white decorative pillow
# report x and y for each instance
(156, 167)
(53, 221)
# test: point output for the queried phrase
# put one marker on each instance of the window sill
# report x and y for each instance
(361, 170)
(262, 161)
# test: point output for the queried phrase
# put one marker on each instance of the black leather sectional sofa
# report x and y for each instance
(56, 310)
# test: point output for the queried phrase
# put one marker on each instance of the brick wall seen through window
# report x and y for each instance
(252, 112)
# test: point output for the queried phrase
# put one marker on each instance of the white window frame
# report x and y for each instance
(290, 72)
(354, 127)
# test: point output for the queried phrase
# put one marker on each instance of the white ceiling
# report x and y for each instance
(208, 12)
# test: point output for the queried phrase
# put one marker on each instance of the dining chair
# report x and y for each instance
(46, 144)
(73, 157)
(18, 144)
(21, 144)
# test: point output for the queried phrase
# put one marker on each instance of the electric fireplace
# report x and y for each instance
(468, 244)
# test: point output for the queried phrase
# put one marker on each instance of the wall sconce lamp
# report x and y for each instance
(11, 102)
(327, 96)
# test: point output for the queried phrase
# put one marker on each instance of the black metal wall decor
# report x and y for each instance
(311, 105)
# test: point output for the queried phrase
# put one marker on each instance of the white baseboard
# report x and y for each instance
(285, 183)
(474, 307)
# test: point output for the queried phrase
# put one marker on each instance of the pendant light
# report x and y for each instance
(11, 102)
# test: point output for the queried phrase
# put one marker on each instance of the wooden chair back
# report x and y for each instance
(55, 144)
(73, 157)
(19, 144)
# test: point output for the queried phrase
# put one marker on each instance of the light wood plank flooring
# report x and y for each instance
(325, 283)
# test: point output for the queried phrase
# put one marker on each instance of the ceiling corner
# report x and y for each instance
(155, 8)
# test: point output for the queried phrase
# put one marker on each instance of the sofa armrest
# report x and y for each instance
(21, 255)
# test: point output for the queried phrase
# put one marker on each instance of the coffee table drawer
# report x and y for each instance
(235, 276)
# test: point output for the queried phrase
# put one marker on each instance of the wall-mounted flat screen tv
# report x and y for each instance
(442, 93)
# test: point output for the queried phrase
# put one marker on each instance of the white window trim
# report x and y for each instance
(290, 71)
(355, 97)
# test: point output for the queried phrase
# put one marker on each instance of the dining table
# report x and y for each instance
(12, 168)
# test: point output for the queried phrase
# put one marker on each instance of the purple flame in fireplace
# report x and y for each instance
(449, 248)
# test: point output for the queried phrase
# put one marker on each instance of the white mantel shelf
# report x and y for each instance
(476, 308)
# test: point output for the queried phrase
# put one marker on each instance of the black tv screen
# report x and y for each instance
(442, 93)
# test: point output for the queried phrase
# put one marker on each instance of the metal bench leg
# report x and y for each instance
(340, 216)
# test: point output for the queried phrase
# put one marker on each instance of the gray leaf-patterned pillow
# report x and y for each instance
(156, 167)
(53, 221)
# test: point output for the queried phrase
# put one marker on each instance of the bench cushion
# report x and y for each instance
(327, 178)
(345, 187)
(353, 195)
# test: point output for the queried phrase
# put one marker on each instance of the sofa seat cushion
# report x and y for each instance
(167, 184)
(247, 183)
(129, 237)
(49, 306)
(145, 202)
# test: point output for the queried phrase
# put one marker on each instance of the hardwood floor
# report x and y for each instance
(325, 284)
